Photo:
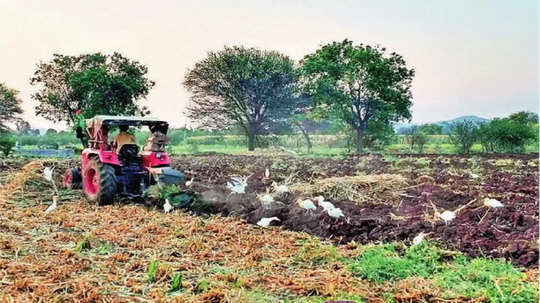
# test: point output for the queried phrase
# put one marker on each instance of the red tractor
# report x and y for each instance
(108, 171)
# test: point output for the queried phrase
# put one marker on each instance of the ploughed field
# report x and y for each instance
(134, 252)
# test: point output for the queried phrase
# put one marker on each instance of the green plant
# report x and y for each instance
(202, 286)
(497, 281)
(385, 263)
(152, 270)
(176, 283)
(7, 143)
(463, 134)
(84, 243)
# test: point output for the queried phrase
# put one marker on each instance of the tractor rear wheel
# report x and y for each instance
(100, 183)
(72, 178)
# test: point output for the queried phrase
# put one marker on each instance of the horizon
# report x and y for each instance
(476, 58)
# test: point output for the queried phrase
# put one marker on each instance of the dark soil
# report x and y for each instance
(509, 232)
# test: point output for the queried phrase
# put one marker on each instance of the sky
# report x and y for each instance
(471, 57)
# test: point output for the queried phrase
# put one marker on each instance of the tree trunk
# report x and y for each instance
(251, 139)
(308, 139)
(360, 139)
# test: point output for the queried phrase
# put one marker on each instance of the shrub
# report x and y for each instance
(7, 143)
(463, 134)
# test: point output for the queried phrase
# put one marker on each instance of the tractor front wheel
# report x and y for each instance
(100, 183)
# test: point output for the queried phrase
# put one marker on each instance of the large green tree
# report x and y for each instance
(10, 105)
(358, 84)
(95, 83)
(245, 87)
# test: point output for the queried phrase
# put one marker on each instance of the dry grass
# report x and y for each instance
(360, 189)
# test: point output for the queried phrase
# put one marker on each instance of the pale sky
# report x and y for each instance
(471, 57)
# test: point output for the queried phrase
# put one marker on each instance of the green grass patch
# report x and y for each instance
(456, 275)
(386, 263)
(496, 280)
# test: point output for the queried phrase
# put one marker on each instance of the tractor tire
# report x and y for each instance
(72, 179)
(100, 184)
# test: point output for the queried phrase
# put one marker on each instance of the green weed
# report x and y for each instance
(384, 263)
(83, 244)
(496, 280)
(152, 270)
(176, 283)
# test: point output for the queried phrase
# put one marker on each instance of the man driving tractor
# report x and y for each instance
(123, 138)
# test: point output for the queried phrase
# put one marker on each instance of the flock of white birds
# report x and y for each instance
(238, 185)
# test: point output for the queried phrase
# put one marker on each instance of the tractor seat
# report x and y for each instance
(129, 153)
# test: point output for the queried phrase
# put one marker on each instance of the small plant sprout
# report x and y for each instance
(238, 184)
(176, 283)
(265, 222)
(152, 270)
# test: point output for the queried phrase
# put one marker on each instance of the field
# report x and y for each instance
(214, 253)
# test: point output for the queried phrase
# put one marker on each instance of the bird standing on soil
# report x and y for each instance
(492, 203)
(307, 204)
(265, 222)
(52, 206)
(419, 238)
(47, 173)
(447, 216)
(267, 200)
(167, 207)
(238, 184)
(335, 213)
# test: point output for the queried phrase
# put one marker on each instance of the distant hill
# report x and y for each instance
(445, 124)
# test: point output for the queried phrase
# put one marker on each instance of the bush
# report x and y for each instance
(416, 138)
(463, 134)
(7, 143)
(507, 134)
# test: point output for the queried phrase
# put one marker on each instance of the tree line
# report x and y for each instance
(363, 88)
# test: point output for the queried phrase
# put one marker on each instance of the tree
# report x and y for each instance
(431, 129)
(524, 117)
(415, 137)
(246, 87)
(509, 134)
(463, 134)
(358, 83)
(10, 105)
(23, 127)
(7, 142)
(95, 83)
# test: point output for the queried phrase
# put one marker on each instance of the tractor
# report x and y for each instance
(107, 172)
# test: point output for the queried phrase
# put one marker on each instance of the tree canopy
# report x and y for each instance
(246, 87)
(95, 83)
(358, 83)
(10, 105)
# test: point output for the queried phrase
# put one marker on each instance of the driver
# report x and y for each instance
(123, 138)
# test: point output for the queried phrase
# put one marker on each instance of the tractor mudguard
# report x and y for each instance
(166, 175)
